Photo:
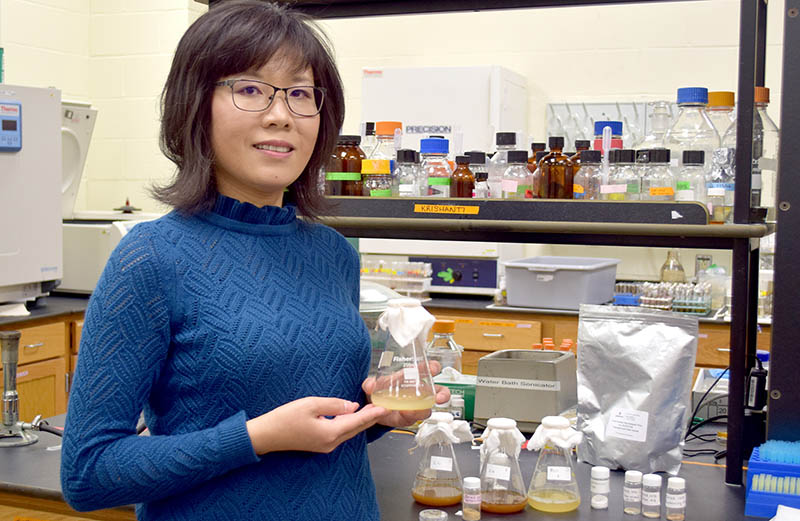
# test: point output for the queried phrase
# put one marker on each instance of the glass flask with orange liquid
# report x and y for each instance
(403, 381)
(553, 486)
(438, 480)
(502, 488)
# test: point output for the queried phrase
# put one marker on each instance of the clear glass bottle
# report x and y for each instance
(720, 186)
(624, 183)
(387, 142)
(457, 406)
(376, 178)
(766, 138)
(660, 121)
(369, 141)
(691, 181)
(675, 501)
(589, 178)
(517, 179)
(651, 495)
(477, 165)
(443, 348)
(462, 181)
(632, 493)
(405, 180)
(554, 487)
(600, 487)
(658, 183)
(672, 269)
(556, 169)
(721, 110)
(505, 142)
(435, 167)
(471, 502)
(692, 130)
(502, 488)
(438, 479)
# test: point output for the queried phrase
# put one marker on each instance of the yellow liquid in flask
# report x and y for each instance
(405, 400)
(549, 500)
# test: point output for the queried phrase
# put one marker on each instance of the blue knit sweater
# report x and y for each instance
(203, 323)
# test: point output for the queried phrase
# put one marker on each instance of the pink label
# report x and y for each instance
(472, 499)
(613, 189)
(615, 143)
(509, 185)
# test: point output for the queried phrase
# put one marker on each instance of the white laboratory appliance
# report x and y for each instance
(30, 199)
(467, 104)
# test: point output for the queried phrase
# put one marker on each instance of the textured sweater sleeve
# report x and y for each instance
(125, 340)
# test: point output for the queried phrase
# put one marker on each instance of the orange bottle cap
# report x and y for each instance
(387, 128)
(762, 95)
(721, 98)
(444, 326)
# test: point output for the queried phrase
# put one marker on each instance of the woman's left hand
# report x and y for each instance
(406, 418)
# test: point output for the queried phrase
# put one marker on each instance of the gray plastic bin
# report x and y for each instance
(560, 282)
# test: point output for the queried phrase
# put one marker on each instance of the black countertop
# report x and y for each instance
(51, 307)
(34, 471)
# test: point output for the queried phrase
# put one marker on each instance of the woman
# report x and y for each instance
(230, 323)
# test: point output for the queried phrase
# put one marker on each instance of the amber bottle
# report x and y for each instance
(533, 162)
(343, 172)
(580, 146)
(556, 181)
(462, 181)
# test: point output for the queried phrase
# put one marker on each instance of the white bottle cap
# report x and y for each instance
(676, 483)
(600, 472)
(555, 422)
(599, 501)
(501, 423)
(441, 417)
(651, 480)
(456, 400)
(634, 476)
(472, 482)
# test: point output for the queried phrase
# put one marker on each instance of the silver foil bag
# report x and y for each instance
(635, 369)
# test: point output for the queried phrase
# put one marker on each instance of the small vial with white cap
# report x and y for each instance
(675, 501)
(651, 495)
(471, 499)
(632, 493)
(600, 487)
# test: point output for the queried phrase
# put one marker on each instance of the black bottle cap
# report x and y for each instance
(462, 160)
(369, 128)
(517, 156)
(556, 142)
(540, 154)
(416, 156)
(643, 156)
(569, 154)
(505, 138)
(406, 155)
(476, 157)
(481, 176)
(660, 155)
(694, 157)
(537, 147)
(348, 140)
(626, 155)
(612, 155)
(582, 143)
(590, 156)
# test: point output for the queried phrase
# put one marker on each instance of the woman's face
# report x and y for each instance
(258, 154)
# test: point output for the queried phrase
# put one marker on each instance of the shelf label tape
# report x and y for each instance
(446, 208)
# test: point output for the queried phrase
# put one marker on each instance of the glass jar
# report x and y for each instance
(443, 348)
(406, 182)
(343, 172)
(377, 178)
(587, 182)
(658, 183)
(435, 167)
(632, 493)
(517, 179)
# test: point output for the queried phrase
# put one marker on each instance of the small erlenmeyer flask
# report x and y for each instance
(403, 380)
(438, 480)
(502, 488)
(553, 485)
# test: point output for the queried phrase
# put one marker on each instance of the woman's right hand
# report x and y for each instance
(313, 424)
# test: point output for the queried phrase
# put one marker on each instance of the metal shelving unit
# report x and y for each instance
(615, 224)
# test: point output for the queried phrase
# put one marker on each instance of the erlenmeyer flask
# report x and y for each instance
(553, 485)
(403, 380)
(502, 489)
(438, 480)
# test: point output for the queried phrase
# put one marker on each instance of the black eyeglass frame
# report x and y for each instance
(230, 83)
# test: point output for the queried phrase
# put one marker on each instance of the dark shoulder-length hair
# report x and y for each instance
(233, 37)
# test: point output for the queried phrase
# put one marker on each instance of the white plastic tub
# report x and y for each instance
(560, 282)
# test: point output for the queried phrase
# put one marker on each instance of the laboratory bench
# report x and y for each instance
(30, 486)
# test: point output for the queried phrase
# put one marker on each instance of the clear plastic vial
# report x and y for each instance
(471, 500)
(675, 501)
(632, 493)
(600, 487)
(651, 495)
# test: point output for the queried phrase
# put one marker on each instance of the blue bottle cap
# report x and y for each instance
(434, 145)
(616, 127)
(693, 95)
(762, 355)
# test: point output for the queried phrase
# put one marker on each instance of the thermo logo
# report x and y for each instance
(9, 110)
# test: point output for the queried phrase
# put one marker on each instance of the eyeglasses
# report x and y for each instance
(257, 96)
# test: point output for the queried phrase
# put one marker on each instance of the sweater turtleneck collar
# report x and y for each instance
(246, 217)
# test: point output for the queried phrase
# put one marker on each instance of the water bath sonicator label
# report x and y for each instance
(628, 424)
(518, 383)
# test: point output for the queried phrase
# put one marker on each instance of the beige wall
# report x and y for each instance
(116, 53)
